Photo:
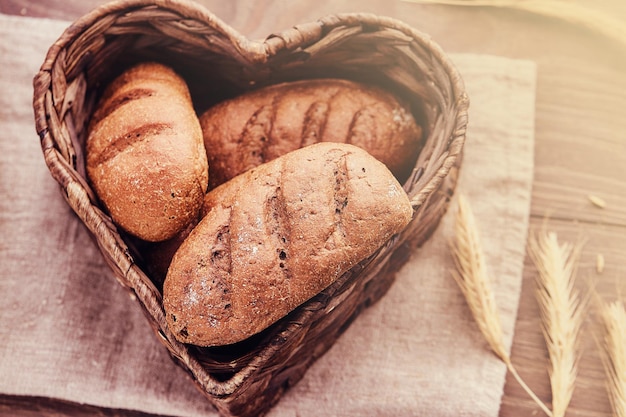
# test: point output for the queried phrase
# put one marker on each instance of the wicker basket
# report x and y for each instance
(248, 378)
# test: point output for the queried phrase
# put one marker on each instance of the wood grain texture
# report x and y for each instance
(580, 140)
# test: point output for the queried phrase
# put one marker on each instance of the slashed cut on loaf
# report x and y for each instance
(275, 236)
(258, 126)
(145, 154)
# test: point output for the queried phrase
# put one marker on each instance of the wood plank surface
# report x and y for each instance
(580, 147)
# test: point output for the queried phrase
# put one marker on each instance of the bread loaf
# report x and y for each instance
(275, 236)
(145, 154)
(259, 126)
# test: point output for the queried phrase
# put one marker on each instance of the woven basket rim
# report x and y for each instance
(257, 52)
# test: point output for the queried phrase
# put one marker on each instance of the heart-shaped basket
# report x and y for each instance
(246, 379)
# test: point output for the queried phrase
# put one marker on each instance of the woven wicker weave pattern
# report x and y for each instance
(217, 63)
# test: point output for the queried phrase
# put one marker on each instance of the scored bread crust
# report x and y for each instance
(145, 154)
(258, 126)
(275, 236)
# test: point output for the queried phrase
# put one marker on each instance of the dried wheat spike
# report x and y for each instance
(562, 313)
(613, 343)
(473, 280)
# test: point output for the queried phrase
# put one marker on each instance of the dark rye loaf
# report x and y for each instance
(145, 154)
(275, 236)
(258, 126)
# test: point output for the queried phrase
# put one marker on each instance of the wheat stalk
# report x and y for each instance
(613, 319)
(562, 313)
(473, 280)
(571, 12)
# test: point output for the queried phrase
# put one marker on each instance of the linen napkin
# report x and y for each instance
(69, 332)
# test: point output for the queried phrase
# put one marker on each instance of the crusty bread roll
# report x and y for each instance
(275, 236)
(145, 154)
(261, 125)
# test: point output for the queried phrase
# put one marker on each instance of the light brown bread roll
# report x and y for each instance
(145, 154)
(256, 127)
(275, 236)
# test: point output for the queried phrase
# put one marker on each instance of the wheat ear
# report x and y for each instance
(473, 280)
(613, 342)
(562, 313)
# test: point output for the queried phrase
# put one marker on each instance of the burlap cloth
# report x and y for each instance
(69, 331)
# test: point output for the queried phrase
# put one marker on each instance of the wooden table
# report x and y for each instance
(580, 145)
